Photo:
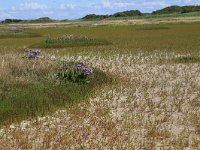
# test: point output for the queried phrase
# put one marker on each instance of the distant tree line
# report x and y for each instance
(119, 14)
(39, 20)
(178, 9)
(11, 21)
(130, 13)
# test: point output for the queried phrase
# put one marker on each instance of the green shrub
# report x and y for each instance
(76, 73)
(69, 41)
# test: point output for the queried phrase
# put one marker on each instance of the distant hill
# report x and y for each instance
(177, 9)
(94, 16)
(133, 13)
(129, 13)
(39, 20)
(44, 19)
(11, 21)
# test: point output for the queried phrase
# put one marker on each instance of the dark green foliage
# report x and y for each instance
(188, 9)
(39, 20)
(79, 73)
(12, 21)
(127, 13)
(94, 16)
(42, 20)
(130, 13)
(177, 9)
(137, 14)
(187, 59)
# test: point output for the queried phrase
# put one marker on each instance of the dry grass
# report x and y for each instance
(111, 22)
(155, 106)
(15, 69)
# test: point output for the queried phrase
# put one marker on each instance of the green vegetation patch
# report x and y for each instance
(186, 59)
(178, 9)
(69, 41)
(154, 27)
(32, 88)
(21, 34)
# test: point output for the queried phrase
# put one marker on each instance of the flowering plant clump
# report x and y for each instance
(32, 53)
(66, 39)
(15, 29)
(76, 73)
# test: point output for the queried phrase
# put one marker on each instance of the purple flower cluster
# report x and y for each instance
(32, 53)
(85, 69)
(80, 66)
(76, 73)
(15, 29)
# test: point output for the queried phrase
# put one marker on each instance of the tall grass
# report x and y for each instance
(154, 105)
(29, 88)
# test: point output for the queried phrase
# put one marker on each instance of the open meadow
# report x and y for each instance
(144, 92)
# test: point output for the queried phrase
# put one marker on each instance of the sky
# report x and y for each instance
(74, 9)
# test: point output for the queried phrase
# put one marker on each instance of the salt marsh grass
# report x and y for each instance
(187, 59)
(21, 34)
(29, 88)
(70, 41)
(153, 103)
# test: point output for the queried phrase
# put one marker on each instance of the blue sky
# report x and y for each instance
(72, 9)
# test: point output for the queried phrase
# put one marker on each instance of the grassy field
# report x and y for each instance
(145, 94)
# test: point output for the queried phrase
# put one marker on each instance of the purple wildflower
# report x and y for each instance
(87, 71)
(79, 66)
(32, 53)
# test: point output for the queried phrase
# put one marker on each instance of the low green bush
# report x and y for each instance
(76, 73)
(69, 41)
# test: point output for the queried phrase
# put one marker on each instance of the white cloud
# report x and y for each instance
(67, 6)
(34, 9)
(188, 2)
(116, 3)
(32, 6)
(154, 4)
